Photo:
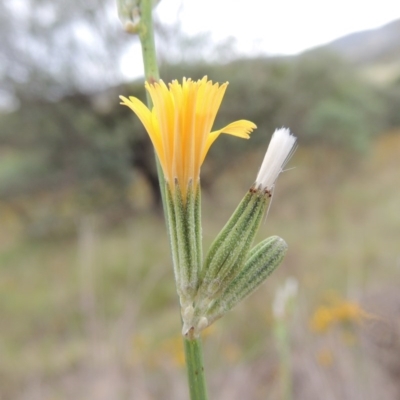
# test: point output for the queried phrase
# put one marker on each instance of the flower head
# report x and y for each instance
(280, 149)
(180, 122)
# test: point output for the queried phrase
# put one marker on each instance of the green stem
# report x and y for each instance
(282, 336)
(193, 349)
(146, 35)
(195, 368)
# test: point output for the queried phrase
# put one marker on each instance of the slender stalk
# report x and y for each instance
(195, 368)
(282, 336)
(193, 348)
(146, 35)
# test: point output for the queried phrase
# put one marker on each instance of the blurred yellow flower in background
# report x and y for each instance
(173, 349)
(341, 311)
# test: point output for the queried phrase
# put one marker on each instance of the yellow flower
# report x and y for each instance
(343, 311)
(180, 122)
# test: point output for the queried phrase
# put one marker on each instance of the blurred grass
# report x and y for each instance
(99, 310)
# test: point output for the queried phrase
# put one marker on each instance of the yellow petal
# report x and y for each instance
(241, 128)
(208, 103)
(139, 109)
(215, 102)
(164, 110)
(148, 121)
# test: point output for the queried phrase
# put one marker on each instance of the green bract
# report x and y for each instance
(185, 235)
(264, 259)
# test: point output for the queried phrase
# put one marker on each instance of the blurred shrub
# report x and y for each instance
(84, 145)
(339, 108)
(393, 102)
(88, 141)
(320, 97)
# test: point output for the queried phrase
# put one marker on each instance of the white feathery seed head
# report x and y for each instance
(280, 149)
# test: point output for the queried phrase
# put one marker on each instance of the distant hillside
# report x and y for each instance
(381, 45)
(375, 52)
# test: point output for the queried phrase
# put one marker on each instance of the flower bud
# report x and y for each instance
(129, 14)
(229, 250)
(265, 257)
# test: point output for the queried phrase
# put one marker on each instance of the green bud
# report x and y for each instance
(265, 257)
(229, 250)
(228, 227)
(129, 14)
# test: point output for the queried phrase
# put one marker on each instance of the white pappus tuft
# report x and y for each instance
(280, 149)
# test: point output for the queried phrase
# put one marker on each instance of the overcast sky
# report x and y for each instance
(273, 27)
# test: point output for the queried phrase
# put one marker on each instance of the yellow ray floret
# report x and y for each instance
(180, 122)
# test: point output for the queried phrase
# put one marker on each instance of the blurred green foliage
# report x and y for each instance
(90, 143)
(393, 103)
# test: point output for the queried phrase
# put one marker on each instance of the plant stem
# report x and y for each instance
(282, 336)
(195, 368)
(146, 35)
(193, 348)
